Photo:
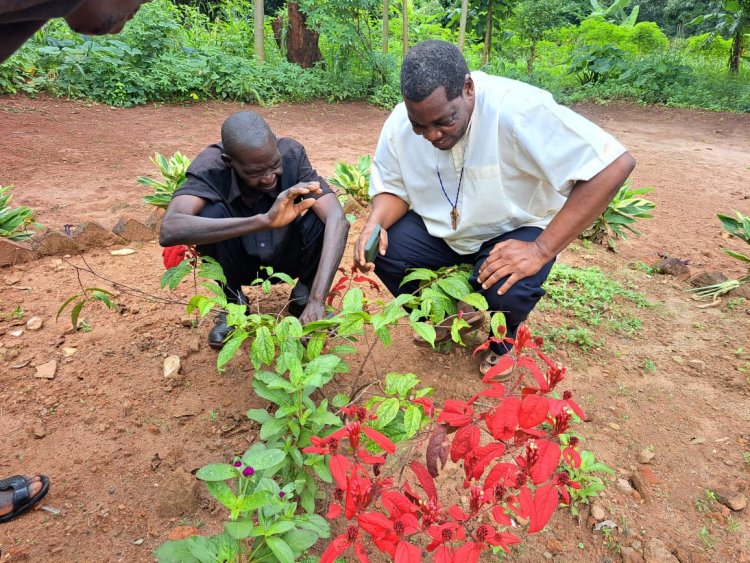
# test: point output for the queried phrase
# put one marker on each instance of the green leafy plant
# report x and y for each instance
(173, 171)
(594, 64)
(620, 216)
(587, 475)
(353, 179)
(738, 227)
(15, 223)
(80, 299)
(398, 414)
(264, 523)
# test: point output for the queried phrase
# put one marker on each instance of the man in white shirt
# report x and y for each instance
(480, 169)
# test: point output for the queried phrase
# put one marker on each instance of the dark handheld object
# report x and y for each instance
(373, 244)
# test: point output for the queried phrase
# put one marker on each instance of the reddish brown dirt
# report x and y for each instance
(119, 441)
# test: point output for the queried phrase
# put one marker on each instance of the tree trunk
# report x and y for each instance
(735, 53)
(258, 30)
(405, 28)
(487, 34)
(530, 60)
(462, 25)
(301, 42)
(385, 27)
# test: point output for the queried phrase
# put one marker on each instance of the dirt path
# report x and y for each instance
(119, 441)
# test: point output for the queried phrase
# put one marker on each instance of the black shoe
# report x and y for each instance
(219, 333)
(298, 299)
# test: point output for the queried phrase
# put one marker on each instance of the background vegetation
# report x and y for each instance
(677, 52)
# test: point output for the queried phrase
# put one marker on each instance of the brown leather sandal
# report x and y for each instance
(489, 361)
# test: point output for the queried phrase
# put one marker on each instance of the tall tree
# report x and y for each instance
(488, 26)
(385, 26)
(258, 30)
(533, 18)
(301, 42)
(405, 26)
(732, 20)
(462, 24)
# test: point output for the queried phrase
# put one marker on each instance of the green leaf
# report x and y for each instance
(172, 277)
(258, 415)
(736, 255)
(455, 286)
(339, 400)
(263, 349)
(425, 330)
(412, 420)
(221, 492)
(66, 303)
(216, 472)
(271, 428)
(385, 335)
(476, 300)
(498, 324)
(239, 529)
(322, 471)
(230, 348)
(280, 527)
(256, 500)
(190, 550)
(418, 274)
(75, 311)
(315, 345)
(299, 541)
(386, 412)
(400, 383)
(353, 300)
(281, 549)
(263, 458)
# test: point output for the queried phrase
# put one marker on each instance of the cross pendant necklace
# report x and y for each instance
(454, 204)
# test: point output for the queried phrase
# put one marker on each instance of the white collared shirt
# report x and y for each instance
(521, 155)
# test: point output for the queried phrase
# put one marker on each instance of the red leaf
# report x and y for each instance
(365, 279)
(468, 553)
(396, 503)
(547, 462)
(334, 511)
(407, 553)
(379, 439)
(456, 413)
(530, 365)
(502, 422)
(534, 409)
(359, 551)
(370, 459)
(374, 523)
(457, 514)
(466, 440)
(444, 554)
(425, 479)
(500, 516)
(502, 474)
(540, 507)
(572, 457)
(427, 405)
(506, 362)
(436, 450)
(339, 466)
(334, 549)
(486, 455)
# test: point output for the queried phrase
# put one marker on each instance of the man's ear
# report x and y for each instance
(468, 86)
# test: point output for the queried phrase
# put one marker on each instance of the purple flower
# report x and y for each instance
(282, 494)
(248, 471)
(238, 464)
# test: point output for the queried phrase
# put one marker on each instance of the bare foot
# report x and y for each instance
(6, 497)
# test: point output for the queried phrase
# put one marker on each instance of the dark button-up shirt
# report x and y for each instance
(209, 178)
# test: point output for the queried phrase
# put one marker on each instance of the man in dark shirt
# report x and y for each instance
(243, 203)
(19, 19)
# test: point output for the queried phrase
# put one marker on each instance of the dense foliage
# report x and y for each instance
(175, 51)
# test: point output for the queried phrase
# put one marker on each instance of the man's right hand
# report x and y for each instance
(359, 247)
(285, 210)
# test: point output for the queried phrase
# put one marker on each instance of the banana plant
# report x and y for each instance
(740, 228)
(620, 216)
(354, 179)
(173, 171)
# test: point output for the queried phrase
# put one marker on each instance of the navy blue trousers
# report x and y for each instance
(297, 256)
(411, 246)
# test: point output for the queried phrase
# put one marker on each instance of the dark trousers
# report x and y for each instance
(411, 246)
(298, 257)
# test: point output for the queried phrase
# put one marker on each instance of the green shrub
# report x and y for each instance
(709, 45)
(173, 170)
(15, 223)
(649, 38)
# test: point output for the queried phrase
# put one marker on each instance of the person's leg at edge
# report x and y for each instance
(34, 484)
(300, 257)
(520, 300)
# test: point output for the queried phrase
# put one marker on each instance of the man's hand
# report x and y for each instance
(359, 247)
(514, 258)
(314, 311)
(284, 210)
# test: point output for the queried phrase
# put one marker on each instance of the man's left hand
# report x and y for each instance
(314, 311)
(515, 259)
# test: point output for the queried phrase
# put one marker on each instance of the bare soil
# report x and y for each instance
(119, 441)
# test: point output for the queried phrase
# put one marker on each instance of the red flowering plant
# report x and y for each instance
(520, 462)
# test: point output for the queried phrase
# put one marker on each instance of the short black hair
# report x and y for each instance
(428, 66)
(245, 130)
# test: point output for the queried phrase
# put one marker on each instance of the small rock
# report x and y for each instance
(673, 267)
(707, 278)
(12, 279)
(630, 555)
(678, 359)
(555, 546)
(47, 371)
(614, 426)
(597, 512)
(171, 366)
(34, 323)
(640, 485)
(122, 252)
(624, 487)
(52, 510)
(39, 431)
(547, 555)
(698, 365)
(180, 495)
(649, 476)
(68, 352)
(645, 456)
(698, 440)
(139, 541)
(183, 532)
(731, 499)
(685, 555)
(133, 230)
(16, 333)
(608, 524)
(656, 552)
